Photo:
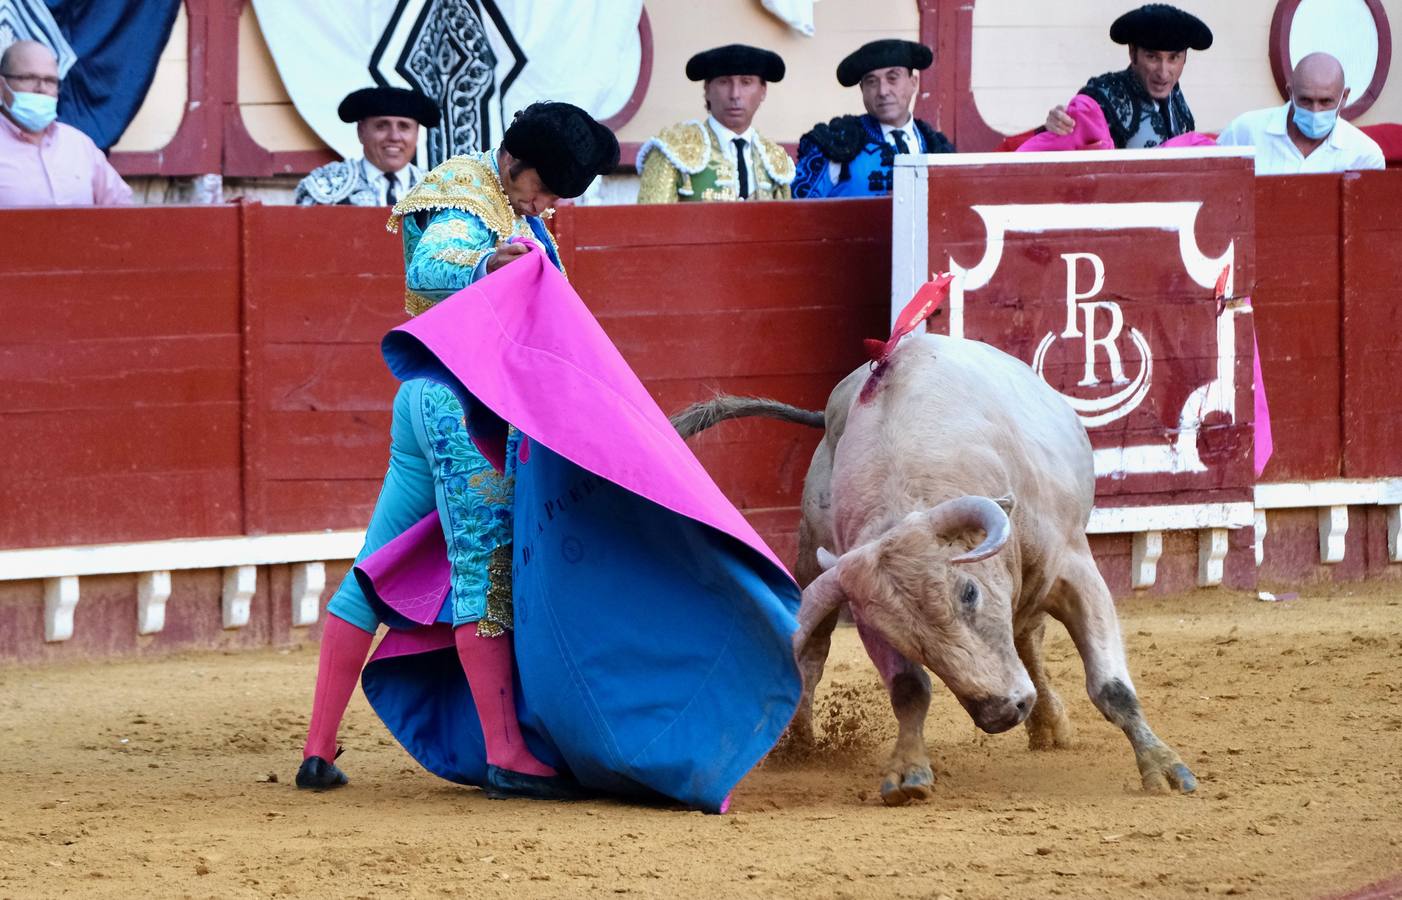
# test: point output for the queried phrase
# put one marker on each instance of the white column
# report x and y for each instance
(1394, 533)
(240, 583)
(1260, 536)
(1212, 554)
(152, 592)
(1148, 547)
(308, 581)
(60, 599)
(1333, 528)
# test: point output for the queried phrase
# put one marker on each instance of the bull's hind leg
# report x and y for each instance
(908, 775)
(1048, 727)
(1083, 604)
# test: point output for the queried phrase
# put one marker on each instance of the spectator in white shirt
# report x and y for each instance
(1306, 135)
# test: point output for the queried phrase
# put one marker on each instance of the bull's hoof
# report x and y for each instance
(915, 783)
(1162, 772)
(1050, 733)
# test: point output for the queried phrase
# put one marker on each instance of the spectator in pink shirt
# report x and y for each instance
(44, 162)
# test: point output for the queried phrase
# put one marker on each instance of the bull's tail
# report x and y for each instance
(697, 417)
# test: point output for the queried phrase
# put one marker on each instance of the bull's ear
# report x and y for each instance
(1007, 501)
(826, 559)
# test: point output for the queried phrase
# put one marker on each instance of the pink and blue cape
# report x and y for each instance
(653, 625)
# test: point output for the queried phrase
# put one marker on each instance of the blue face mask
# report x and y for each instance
(33, 112)
(1315, 125)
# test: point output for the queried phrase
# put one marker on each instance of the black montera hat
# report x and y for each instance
(735, 59)
(1158, 26)
(564, 144)
(880, 55)
(389, 101)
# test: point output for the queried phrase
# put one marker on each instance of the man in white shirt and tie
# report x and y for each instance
(387, 124)
(721, 157)
(1307, 134)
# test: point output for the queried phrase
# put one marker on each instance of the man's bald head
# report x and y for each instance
(1318, 83)
(24, 55)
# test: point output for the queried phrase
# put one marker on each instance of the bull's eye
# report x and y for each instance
(970, 596)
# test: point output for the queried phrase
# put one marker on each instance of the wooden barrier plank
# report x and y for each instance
(1298, 313)
(102, 374)
(1372, 363)
(120, 356)
(322, 286)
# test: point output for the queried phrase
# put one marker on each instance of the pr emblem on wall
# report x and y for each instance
(1100, 272)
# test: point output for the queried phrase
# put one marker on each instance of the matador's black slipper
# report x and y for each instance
(504, 784)
(319, 775)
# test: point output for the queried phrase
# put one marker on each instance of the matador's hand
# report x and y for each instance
(505, 253)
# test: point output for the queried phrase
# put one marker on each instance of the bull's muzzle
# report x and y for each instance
(998, 714)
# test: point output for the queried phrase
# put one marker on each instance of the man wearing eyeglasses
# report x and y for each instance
(44, 162)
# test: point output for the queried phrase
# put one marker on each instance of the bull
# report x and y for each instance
(946, 506)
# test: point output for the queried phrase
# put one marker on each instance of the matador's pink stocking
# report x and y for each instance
(488, 663)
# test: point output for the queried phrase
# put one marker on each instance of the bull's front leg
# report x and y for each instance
(908, 775)
(1048, 727)
(1082, 603)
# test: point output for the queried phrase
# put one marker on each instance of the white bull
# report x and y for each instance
(938, 574)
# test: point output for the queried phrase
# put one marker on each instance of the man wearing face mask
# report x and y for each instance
(852, 156)
(44, 162)
(387, 124)
(723, 157)
(1143, 104)
(1307, 134)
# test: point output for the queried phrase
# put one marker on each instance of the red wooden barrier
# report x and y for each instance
(1101, 275)
(771, 300)
(177, 372)
(1372, 323)
(119, 355)
(321, 287)
(1298, 307)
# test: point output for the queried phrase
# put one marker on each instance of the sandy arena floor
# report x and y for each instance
(157, 778)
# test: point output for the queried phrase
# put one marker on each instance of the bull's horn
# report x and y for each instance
(973, 512)
(823, 595)
(826, 559)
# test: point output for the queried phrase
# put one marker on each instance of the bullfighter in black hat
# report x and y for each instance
(387, 123)
(722, 157)
(467, 218)
(851, 156)
(1143, 104)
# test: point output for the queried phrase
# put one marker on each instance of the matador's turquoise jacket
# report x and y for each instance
(452, 222)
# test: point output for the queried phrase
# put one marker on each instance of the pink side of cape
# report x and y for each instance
(1093, 133)
(538, 359)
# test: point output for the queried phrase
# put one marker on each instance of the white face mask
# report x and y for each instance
(33, 112)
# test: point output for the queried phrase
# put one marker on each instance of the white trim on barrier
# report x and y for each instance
(153, 561)
(1187, 517)
(1336, 492)
(1055, 157)
(193, 553)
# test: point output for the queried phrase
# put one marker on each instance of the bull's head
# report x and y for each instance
(932, 598)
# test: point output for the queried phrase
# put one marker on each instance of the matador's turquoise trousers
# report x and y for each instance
(434, 464)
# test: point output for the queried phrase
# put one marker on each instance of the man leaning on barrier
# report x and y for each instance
(44, 162)
(1143, 104)
(1307, 134)
(723, 157)
(852, 156)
